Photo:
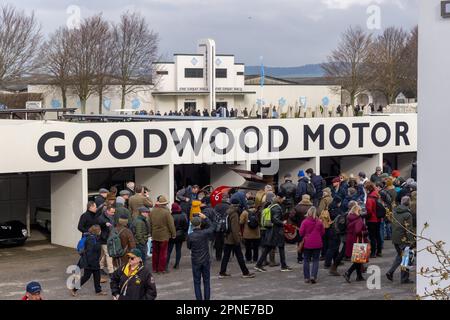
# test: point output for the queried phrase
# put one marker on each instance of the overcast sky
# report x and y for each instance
(284, 32)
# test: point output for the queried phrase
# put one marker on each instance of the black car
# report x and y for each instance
(13, 232)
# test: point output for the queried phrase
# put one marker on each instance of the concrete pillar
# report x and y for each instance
(355, 164)
(69, 196)
(160, 181)
(222, 175)
(293, 166)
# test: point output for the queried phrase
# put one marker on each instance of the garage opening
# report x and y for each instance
(402, 162)
(24, 205)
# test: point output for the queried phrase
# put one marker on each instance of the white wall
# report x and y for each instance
(434, 84)
(354, 165)
(69, 193)
(140, 100)
(293, 166)
(159, 180)
(222, 175)
(291, 94)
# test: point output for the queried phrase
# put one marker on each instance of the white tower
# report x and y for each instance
(207, 47)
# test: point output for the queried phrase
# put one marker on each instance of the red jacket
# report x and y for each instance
(371, 206)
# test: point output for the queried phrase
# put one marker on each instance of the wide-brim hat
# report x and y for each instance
(162, 201)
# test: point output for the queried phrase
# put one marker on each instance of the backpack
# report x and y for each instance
(386, 197)
(266, 217)
(114, 245)
(221, 223)
(340, 224)
(81, 246)
(252, 220)
(227, 224)
(310, 189)
(380, 209)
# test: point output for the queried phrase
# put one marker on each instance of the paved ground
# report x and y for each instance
(39, 260)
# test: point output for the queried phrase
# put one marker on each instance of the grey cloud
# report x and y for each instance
(285, 32)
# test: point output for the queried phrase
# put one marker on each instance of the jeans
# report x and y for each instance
(382, 232)
(143, 248)
(267, 250)
(325, 241)
(309, 254)
(177, 246)
(200, 271)
(404, 274)
(375, 237)
(251, 249)
(218, 244)
(239, 256)
(333, 250)
(388, 230)
(87, 275)
(159, 256)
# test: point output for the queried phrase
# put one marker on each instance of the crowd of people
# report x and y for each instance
(120, 229)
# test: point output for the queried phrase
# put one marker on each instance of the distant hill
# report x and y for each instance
(309, 70)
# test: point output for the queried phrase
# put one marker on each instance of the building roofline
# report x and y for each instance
(188, 54)
(162, 62)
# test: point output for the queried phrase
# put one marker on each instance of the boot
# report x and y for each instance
(333, 271)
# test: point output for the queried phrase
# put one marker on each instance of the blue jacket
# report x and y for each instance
(240, 196)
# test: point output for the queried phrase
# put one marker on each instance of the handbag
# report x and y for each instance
(360, 252)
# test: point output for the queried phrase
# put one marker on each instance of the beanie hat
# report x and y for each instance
(396, 173)
(136, 253)
(301, 173)
(120, 200)
(176, 208)
(123, 220)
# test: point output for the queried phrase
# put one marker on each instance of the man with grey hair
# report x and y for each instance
(402, 237)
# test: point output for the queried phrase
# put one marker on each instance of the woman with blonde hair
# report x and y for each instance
(312, 231)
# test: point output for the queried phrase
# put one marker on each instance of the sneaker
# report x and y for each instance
(286, 269)
(313, 281)
(300, 261)
(390, 276)
(260, 269)
(101, 293)
(224, 275)
(347, 277)
(248, 276)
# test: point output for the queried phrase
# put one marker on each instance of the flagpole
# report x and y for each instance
(262, 86)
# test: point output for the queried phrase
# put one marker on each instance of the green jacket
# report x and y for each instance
(402, 219)
(120, 210)
(142, 230)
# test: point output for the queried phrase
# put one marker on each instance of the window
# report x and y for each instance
(240, 73)
(193, 73)
(221, 73)
(162, 72)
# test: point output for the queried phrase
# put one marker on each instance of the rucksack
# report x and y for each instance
(227, 224)
(221, 223)
(266, 217)
(310, 189)
(81, 246)
(380, 209)
(340, 224)
(386, 197)
(114, 245)
(252, 220)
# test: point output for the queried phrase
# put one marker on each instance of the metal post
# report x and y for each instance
(28, 193)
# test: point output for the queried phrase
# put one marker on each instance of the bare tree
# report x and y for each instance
(387, 62)
(56, 55)
(348, 62)
(105, 56)
(137, 47)
(409, 60)
(85, 47)
(20, 36)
